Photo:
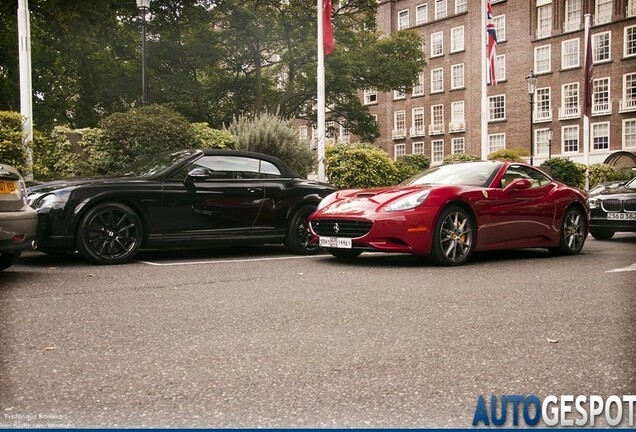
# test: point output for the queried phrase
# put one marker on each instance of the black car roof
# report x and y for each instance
(282, 166)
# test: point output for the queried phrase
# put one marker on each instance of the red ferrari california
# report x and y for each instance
(449, 211)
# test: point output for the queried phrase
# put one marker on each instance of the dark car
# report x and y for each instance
(449, 211)
(18, 222)
(613, 210)
(183, 199)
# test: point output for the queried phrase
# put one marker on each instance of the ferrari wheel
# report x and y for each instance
(573, 232)
(453, 237)
(109, 233)
(8, 258)
(602, 233)
(298, 239)
(345, 254)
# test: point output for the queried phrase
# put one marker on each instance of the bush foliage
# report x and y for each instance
(460, 157)
(515, 154)
(360, 165)
(566, 171)
(603, 173)
(409, 165)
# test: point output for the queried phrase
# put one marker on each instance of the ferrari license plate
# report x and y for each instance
(621, 216)
(335, 242)
(7, 187)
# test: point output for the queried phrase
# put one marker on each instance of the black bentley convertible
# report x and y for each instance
(183, 199)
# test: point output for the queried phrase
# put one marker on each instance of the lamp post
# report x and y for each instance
(143, 6)
(550, 143)
(531, 79)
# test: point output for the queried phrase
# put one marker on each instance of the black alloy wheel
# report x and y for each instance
(602, 233)
(109, 233)
(453, 239)
(298, 238)
(573, 232)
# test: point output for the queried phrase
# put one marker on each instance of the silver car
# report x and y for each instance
(18, 221)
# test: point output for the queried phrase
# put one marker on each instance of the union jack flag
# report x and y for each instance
(492, 43)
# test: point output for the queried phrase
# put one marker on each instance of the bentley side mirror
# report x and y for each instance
(197, 174)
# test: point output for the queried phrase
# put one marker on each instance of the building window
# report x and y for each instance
(544, 20)
(601, 47)
(572, 15)
(570, 139)
(398, 94)
(570, 107)
(418, 89)
(496, 142)
(570, 54)
(543, 108)
(458, 145)
(302, 132)
(631, 8)
(500, 67)
(603, 12)
(441, 9)
(542, 56)
(629, 134)
(437, 80)
(629, 48)
(457, 117)
(497, 108)
(600, 136)
(437, 151)
(421, 14)
(601, 97)
(418, 147)
(461, 6)
(500, 27)
(457, 39)
(370, 97)
(437, 120)
(399, 150)
(399, 124)
(542, 141)
(628, 103)
(418, 127)
(345, 134)
(437, 44)
(403, 19)
(457, 76)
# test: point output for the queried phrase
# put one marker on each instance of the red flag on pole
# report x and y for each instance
(327, 30)
(492, 43)
(588, 85)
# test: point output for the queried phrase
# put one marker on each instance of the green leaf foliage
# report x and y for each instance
(409, 165)
(360, 165)
(460, 157)
(515, 154)
(269, 134)
(603, 173)
(566, 171)
(11, 136)
(206, 137)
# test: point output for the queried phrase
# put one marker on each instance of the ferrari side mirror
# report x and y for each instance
(518, 184)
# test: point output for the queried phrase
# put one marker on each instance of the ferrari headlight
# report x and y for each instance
(408, 202)
(326, 200)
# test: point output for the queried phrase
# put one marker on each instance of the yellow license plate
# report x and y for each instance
(8, 187)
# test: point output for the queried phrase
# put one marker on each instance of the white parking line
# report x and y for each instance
(228, 261)
(624, 269)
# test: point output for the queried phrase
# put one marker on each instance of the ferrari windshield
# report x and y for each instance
(466, 173)
(156, 163)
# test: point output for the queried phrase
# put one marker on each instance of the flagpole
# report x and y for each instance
(484, 91)
(26, 92)
(586, 113)
(320, 73)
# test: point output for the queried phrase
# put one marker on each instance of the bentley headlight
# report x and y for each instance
(42, 201)
(326, 200)
(408, 202)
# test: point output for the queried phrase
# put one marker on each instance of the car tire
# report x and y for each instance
(573, 233)
(344, 254)
(602, 233)
(298, 238)
(109, 233)
(8, 258)
(453, 238)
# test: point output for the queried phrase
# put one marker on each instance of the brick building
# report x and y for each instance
(442, 115)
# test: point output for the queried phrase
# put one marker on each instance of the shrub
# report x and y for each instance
(409, 165)
(206, 137)
(566, 171)
(269, 134)
(515, 154)
(11, 135)
(460, 157)
(603, 173)
(360, 165)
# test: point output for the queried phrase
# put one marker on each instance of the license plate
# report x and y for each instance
(335, 242)
(621, 216)
(8, 187)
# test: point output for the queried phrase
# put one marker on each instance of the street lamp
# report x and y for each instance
(550, 143)
(143, 6)
(531, 79)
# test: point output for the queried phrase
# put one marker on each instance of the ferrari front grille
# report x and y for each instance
(341, 228)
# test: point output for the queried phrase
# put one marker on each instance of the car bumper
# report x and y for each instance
(615, 225)
(17, 229)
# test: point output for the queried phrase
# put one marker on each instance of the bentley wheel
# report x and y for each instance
(573, 232)
(345, 254)
(8, 258)
(453, 237)
(298, 239)
(602, 233)
(109, 233)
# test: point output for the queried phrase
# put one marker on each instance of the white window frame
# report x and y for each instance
(542, 142)
(543, 60)
(437, 44)
(605, 49)
(418, 90)
(461, 6)
(629, 134)
(570, 53)
(437, 119)
(543, 104)
(399, 95)
(437, 80)
(441, 9)
(628, 102)
(370, 97)
(417, 147)
(418, 121)
(458, 78)
(500, 67)
(603, 11)
(437, 151)
(404, 19)
(544, 20)
(399, 150)
(570, 101)
(421, 14)
(500, 27)
(457, 39)
(458, 145)
(496, 142)
(597, 129)
(399, 124)
(629, 43)
(601, 94)
(567, 133)
(497, 108)
(458, 117)
(572, 15)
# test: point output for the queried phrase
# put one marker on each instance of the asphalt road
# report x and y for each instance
(259, 338)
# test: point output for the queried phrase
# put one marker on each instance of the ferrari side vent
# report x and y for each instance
(341, 228)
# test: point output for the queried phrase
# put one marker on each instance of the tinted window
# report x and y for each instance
(537, 178)
(269, 170)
